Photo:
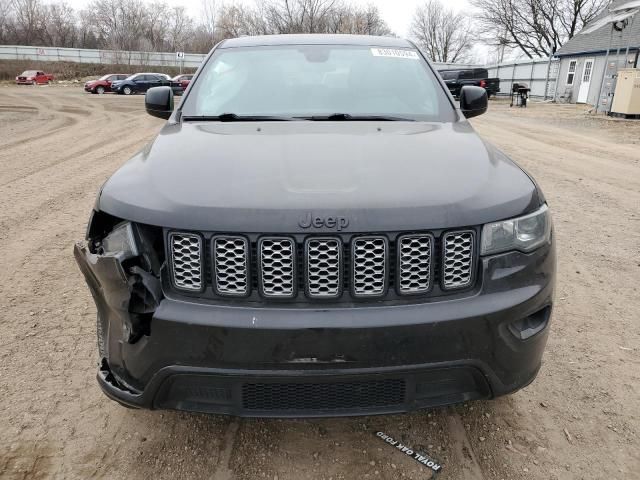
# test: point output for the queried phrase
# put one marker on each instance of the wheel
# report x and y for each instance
(127, 90)
(99, 90)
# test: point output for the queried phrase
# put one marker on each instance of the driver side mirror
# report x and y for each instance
(158, 101)
(473, 101)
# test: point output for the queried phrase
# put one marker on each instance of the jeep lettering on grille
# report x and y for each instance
(310, 220)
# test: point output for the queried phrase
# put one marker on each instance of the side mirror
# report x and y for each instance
(473, 101)
(158, 102)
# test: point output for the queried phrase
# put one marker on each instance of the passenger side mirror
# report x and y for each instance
(473, 101)
(158, 102)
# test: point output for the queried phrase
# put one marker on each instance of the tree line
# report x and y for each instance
(162, 26)
(528, 27)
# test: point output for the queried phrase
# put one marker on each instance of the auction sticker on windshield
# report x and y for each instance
(394, 53)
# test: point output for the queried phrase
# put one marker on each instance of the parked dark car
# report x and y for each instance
(477, 77)
(34, 77)
(318, 230)
(183, 80)
(103, 84)
(141, 82)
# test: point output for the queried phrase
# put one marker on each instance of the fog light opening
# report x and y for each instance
(527, 327)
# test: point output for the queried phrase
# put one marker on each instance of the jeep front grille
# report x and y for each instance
(277, 267)
(186, 260)
(339, 268)
(231, 265)
(458, 260)
(324, 267)
(369, 256)
(414, 263)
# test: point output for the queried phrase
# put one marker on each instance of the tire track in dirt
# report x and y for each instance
(22, 171)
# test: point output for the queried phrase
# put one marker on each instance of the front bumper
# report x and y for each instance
(291, 362)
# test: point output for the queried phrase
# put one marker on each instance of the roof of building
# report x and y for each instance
(316, 39)
(599, 41)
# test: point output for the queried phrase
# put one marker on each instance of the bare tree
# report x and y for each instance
(537, 28)
(444, 35)
(208, 21)
(28, 18)
(179, 27)
(121, 23)
(60, 26)
(128, 25)
(155, 25)
(6, 10)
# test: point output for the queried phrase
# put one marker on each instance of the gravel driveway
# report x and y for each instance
(579, 419)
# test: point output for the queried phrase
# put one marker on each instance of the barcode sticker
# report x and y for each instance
(394, 53)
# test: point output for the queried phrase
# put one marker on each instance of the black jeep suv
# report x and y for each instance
(317, 231)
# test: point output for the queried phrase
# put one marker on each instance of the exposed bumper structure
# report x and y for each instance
(291, 362)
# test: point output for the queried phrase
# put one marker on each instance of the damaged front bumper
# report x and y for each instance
(187, 354)
(126, 292)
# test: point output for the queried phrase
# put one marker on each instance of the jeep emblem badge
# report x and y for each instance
(310, 220)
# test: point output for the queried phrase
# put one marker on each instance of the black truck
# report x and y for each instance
(317, 230)
(476, 77)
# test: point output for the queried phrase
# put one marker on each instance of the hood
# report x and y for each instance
(269, 176)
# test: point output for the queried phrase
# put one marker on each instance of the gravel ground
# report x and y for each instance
(579, 419)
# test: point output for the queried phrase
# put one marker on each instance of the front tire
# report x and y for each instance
(127, 90)
(99, 90)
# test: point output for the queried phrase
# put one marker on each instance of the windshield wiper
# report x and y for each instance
(233, 117)
(347, 117)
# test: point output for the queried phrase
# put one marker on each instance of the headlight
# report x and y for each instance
(523, 233)
(121, 242)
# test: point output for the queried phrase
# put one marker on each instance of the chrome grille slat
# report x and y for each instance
(186, 261)
(458, 259)
(231, 265)
(324, 267)
(414, 263)
(369, 266)
(277, 267)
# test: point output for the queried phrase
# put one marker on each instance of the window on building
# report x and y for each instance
(571, 74)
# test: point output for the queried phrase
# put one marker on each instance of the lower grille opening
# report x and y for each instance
(323, 396)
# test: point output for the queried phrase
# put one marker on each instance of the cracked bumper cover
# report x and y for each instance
(201, 356)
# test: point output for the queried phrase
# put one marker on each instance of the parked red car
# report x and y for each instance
(183, 80)
(103, 84)
(34, 77)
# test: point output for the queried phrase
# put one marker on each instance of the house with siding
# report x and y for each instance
(584, 58)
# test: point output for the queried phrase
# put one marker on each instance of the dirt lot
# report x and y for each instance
(579, 419)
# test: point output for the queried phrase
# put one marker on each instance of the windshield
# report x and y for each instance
(29, 73)
(105, 77)
(316, 80)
